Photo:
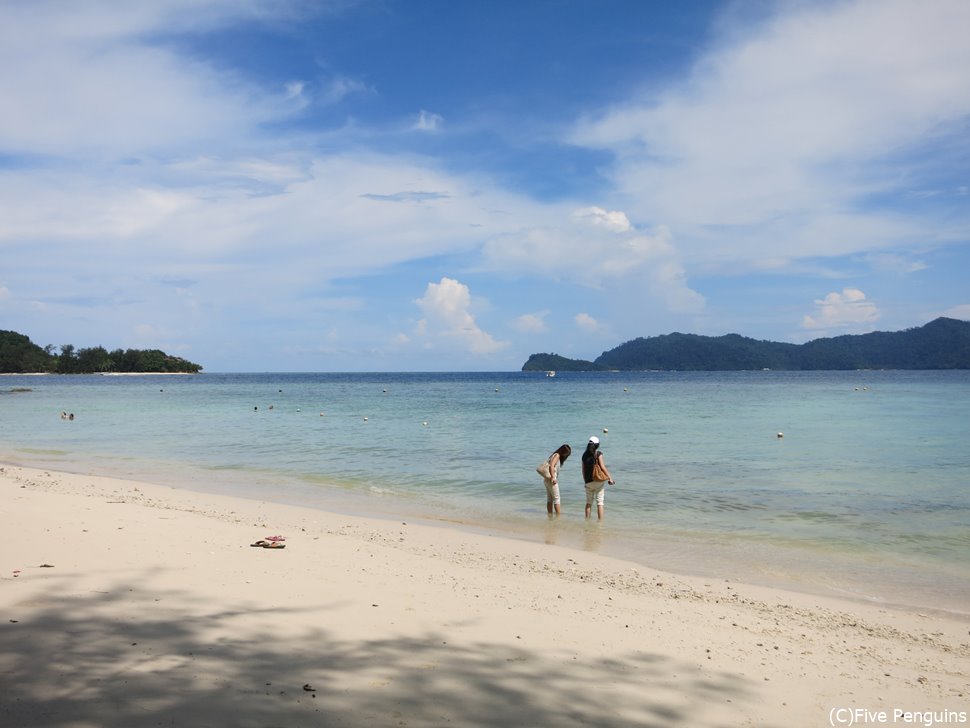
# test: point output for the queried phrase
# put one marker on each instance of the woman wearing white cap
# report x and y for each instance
(596, 476)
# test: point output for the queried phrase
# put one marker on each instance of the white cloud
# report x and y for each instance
(846, 310)
(339, 88)
(428, 121)
(330, 216)
(447, 310)
(87, 87)
(596, 248)
(782, 134)
(532, 323)
(587, 322)
(614, 221)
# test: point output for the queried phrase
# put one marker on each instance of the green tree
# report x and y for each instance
(19, 354)
(94, 360)
(67, 360)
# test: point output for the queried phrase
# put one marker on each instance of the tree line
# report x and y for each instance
(941, 344)
(19, 355)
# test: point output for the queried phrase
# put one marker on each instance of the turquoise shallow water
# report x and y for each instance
(866, 495)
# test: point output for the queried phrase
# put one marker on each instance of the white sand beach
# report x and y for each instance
(127, 604)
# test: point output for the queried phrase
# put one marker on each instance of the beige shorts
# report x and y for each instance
(552, 491)
(595, 491)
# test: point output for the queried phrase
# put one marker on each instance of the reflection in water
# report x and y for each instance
(592, 536)
(550, 531)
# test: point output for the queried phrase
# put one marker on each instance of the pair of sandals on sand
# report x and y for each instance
(270, 542)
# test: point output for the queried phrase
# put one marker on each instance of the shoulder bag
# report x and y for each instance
(599, 473)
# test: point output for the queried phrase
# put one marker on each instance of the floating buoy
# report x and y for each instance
(365, 419)
(425, 423)
(781, 435)
(605, 430)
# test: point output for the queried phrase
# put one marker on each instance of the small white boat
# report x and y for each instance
(550, 373)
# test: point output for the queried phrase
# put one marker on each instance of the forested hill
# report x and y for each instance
(19, 355)
(940, 344)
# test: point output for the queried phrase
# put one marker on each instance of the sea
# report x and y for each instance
(853, 484)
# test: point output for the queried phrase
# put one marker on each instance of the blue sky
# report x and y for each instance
(384, 185)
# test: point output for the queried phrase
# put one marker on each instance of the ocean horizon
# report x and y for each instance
(854, 483)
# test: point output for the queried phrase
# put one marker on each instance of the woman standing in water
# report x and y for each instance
(552, 482)
(596, 476)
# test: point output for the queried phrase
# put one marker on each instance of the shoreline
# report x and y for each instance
(96, 374)
(699, 556)
(124, 603)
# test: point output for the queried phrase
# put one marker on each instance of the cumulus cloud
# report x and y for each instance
(846, 310)
(594, 247)
(614, 221)
(532, 323)
(447, 313)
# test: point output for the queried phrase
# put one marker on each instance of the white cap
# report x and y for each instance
(594, 440)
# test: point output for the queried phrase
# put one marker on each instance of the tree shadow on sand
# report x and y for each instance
(66, 662)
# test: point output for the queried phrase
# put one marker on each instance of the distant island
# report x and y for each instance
(941, 344)
(19, 355)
